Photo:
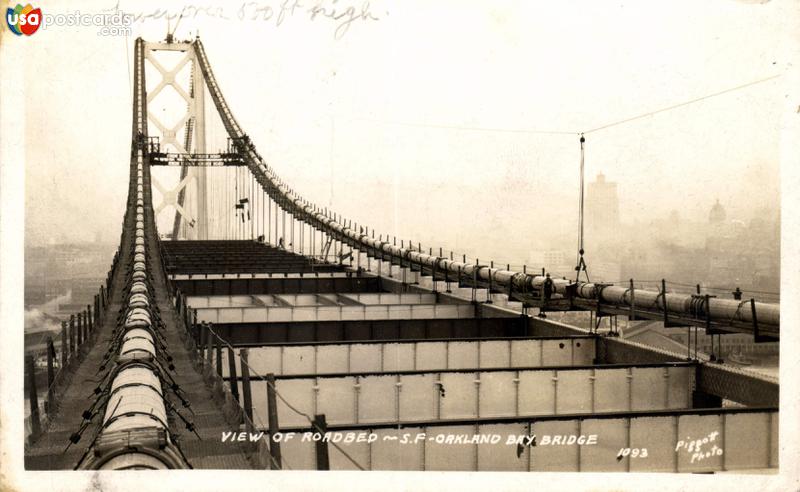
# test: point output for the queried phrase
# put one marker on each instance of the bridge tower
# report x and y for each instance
(189, 198)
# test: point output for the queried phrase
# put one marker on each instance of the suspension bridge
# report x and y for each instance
(257, 330)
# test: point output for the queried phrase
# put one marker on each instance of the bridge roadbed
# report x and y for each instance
(210, 423)
(206, 452)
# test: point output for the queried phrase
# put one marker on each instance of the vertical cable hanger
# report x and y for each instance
(581, 264)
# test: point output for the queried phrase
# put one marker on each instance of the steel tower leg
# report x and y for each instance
(200, 147)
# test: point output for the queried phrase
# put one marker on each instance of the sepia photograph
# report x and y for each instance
(399, 245)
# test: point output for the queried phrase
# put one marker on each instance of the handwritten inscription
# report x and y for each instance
(409, 438)
(699, 448)
(341, 14)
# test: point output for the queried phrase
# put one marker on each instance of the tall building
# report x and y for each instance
(601, 209)
(556, 261)
(717, 215)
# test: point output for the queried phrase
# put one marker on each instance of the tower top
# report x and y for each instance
(717, 214)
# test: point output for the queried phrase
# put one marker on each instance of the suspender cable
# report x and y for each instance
(288, 199)
(269, 220)
(580, 211)
(250, 205)
(581, 264)
(236, 202)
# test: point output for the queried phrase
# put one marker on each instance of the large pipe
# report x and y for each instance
(720, 310)
(136, 400)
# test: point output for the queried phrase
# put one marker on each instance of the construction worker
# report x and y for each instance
(548, 287)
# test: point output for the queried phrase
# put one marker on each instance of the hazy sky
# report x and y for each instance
(355, 108)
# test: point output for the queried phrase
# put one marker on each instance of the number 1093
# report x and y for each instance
(632, 452)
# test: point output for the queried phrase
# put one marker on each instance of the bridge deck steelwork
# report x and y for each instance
(278, 332)
(226, 256)
(338, 380)
(316, 350)
(745, 439)
(195, 160)
(313, 283)
(314, 300)
(405, 355)
(721, 380)
(262, 314)
(427, 395)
